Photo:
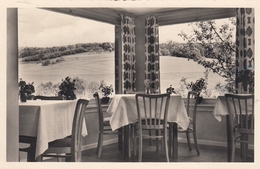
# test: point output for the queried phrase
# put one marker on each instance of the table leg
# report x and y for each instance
(126, 142)
(170, 139)
(175, 140)
(120, 139)
(229, 147)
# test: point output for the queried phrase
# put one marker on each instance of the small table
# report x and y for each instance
(47, 121)
(123, 113)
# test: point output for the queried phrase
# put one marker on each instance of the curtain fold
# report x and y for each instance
(245, 53)
(128, 49)
(152, 69)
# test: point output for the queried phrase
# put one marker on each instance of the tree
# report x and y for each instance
(217, 48)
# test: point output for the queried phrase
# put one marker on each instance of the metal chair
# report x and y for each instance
(70, 147)
(241, 121)
(104, 127)
(152, 113)
(191, 107)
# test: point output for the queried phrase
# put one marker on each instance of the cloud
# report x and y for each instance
(45, 29)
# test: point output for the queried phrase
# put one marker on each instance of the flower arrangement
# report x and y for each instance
(247, 79)
(198, 86)
(106, 90)
(170, 90)
(25, 90)
(67, 88)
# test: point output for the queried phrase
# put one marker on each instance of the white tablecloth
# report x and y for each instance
(46, 120)
(222, 110)
(123, 111)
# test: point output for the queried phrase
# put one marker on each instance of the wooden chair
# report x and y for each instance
(152, 113)
(241, 121)
(191, 107)
(70, 147)
(104, 127)
(30, 150)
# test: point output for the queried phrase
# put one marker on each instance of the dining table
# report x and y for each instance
(221, 110)
(123, 113)
(46, 120)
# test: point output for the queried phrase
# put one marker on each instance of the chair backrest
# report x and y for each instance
(48, 97)
(241, 112)
(76, 135)
(152, 110)
(191, 106)
(100, 112)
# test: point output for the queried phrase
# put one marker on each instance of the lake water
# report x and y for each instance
(97, 67)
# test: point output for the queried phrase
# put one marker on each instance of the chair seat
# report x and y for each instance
(181, 130)
(59, 146)
(66, 142)
(106, 121)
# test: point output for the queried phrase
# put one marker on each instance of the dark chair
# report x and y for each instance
(104, 127)
(241, 122)
(30, 150)
(152, 111)
(70, 147)
(191, 107)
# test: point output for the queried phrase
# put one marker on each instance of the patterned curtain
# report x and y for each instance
(128, 49)
(152, 70)
(245, 53)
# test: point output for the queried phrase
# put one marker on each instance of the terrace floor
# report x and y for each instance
(110, 153)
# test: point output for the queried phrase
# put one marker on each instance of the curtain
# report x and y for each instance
(152, 70)
(128, 49)
(245, 53)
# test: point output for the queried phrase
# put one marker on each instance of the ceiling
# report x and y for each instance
(166, 16)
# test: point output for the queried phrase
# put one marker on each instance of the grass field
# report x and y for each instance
(97, 67)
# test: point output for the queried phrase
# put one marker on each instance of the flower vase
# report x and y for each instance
(23, 96)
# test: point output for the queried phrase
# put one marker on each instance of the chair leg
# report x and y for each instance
(165, 145)
(157, 140)
(195, 142)
(140, 147)
(150, 133)
(134, 140)
(188, 140)
(41, 158)
(100, 144)
(233, 148)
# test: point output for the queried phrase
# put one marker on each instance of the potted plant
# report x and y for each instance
(198, 86)
(246, 78)
(67, 88)
(106, 91)
(25, 90)
(170, 90)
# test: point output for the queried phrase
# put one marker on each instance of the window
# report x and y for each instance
(175, 61)
(55, 46)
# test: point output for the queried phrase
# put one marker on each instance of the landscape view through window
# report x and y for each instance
(53, 46)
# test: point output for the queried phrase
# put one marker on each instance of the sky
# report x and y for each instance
(41, 28)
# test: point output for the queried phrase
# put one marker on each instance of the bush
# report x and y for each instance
(31, 58)
(46, 62)
(59, 60)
